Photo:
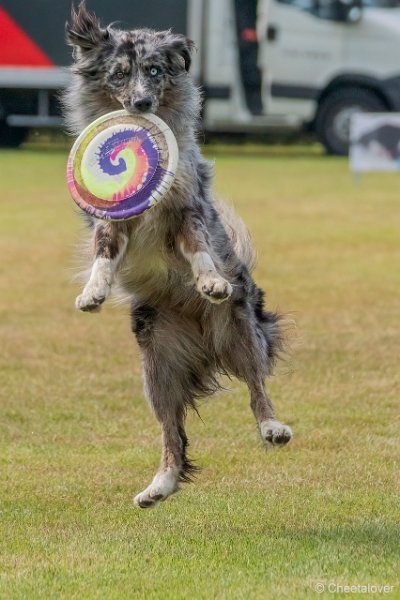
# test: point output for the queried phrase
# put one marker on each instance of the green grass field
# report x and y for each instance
(78, 441)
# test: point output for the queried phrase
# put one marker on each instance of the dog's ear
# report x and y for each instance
(178, 49)
(84, 30)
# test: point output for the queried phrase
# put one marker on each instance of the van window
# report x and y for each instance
(381, 3)
(332, 9)
(323, 9)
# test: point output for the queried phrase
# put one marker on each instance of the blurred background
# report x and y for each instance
(267, 67)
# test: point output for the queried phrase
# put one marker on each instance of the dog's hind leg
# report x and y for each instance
(252, 361)
(175, 371)
(272, 431)
(174, 464)
(110, 242)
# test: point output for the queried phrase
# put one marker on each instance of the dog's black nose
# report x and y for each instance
(143, 104)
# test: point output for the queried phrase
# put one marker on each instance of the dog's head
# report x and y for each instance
(137, 69)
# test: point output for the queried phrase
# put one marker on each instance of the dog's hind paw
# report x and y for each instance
(274, 433)
(214, 288)
(163, 485)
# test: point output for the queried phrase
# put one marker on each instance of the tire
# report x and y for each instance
(332, 123)
(12, 137)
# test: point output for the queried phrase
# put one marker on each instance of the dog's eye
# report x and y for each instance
(119, 74)
(154, 71)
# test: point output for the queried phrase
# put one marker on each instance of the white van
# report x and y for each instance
(320, 60)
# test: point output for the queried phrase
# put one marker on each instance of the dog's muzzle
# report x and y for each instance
(143, 104)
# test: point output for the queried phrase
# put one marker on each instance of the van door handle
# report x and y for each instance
(272, 33)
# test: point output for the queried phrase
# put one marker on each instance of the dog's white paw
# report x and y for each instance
(93, 296)
(274, 433)
(163, 485)
(214, 288)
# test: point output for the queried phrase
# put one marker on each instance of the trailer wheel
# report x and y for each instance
(12, 137)
(332, 123)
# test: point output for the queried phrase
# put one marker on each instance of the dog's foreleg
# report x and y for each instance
(192, 243)
(110, 243)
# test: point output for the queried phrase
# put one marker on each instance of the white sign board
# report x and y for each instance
(375, 142)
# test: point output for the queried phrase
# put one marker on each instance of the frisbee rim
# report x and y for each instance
(166, 181)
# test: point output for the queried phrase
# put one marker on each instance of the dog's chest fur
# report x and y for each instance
(145, 267)
(152, 269)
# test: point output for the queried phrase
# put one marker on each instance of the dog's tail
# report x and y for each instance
(238, 234)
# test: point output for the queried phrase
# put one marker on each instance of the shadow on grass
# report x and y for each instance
(383, 539)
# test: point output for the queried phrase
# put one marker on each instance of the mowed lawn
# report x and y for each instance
(78, 440)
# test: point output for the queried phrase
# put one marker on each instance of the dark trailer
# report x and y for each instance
(33, 53)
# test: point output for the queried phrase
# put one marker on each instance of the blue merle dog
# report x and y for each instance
(185, 265)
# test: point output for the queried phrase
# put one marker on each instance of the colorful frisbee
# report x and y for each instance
(122, 165)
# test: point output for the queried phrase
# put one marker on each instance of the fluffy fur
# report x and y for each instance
(185, 265)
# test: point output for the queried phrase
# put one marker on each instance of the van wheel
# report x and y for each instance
(332, 123)
(12, 137)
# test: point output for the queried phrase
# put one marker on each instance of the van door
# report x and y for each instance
(301, 50)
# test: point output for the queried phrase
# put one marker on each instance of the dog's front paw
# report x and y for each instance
(274, 433)
(214, 288)
(92, 297)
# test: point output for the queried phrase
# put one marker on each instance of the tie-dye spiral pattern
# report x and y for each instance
(122, 165)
